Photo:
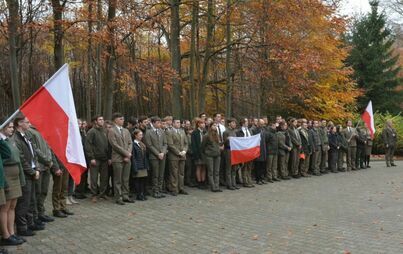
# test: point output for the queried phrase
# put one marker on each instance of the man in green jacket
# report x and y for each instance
(97, 150)
(389, 136)
(44, 154)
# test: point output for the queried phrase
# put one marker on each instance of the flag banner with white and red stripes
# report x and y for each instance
(52, 111)
(244, 149)
(368, 118)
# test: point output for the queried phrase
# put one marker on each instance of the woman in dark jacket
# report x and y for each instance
(334, 149)
(139, 165)
(211, 150)
(196, 140)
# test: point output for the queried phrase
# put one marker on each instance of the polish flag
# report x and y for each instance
(368, 118)
(244, 149)
(51, 110)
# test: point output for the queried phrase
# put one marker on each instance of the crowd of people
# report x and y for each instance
(150, 156)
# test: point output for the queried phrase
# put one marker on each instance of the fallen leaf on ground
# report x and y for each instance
(255, 237)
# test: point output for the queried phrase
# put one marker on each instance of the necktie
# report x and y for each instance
(247, 132)
(219, 133)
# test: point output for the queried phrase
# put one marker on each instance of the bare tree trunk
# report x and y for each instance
(161, 105)
(99, 87)
(110, 61)
(12, 35)
(89, 63)
(210, 28)
(228, 61)
(176, 59)
(195, 18)
(58, 51)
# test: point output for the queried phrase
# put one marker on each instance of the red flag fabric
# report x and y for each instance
(52, 111)
(368, 118)
(244, 149)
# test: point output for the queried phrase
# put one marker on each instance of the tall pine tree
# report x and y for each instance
(375, 68)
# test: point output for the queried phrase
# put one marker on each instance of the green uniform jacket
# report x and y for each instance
(14, 159)
(97, 145)
(209, 147)
(282, 147)
(41, 148)
(272, 141)
(389, 136)
(5, 153)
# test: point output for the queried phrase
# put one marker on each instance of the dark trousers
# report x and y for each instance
(230, 171)
(390, 151)
(294, 162)
(190, 177)
(260, 170)
(42, 188)
(351, 154)
(101, 170)
(360, 157)
(140, 185)
(213, 171)
(23, 211)
(324, 158)
(333, 156)
(82, 188)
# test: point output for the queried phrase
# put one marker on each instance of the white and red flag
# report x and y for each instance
(51, 110)
(244, 149)
(368, 118)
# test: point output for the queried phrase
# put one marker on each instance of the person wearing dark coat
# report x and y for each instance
(260, 162)
(196, 140)
(272, 150)
(334, 149)
(307, 146)
(343, 148)
(139, 165)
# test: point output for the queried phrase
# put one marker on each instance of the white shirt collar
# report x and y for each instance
(2, 136)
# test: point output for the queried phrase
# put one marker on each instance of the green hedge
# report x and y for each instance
(380, 119)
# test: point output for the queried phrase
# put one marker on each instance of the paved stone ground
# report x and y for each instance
(354, 212)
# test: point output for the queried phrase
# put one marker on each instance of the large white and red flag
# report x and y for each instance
(51, 110)
(368, 118)
(244, 149)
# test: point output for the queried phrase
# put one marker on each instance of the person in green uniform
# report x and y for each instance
(14, 179)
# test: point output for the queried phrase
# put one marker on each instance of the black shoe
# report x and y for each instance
(19, 238)
(393, 165)
(259, 183)
(128, 200)
(39, 222)
(27, 232)
(59, 214)
(162, 195)
(67, 212)
(296, 176)
(119, 202)
(46, 218)
(157, 195)
(182, 192)
(11, 241)
(172, 193)
(341, 170)
(276, 179)
(236, 187)
(36, 227)
(317, 174)
(139, 198)
(79, 196)
(230, 188)
(368, 166)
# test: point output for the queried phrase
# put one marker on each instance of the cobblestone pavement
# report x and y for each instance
(354, 212)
